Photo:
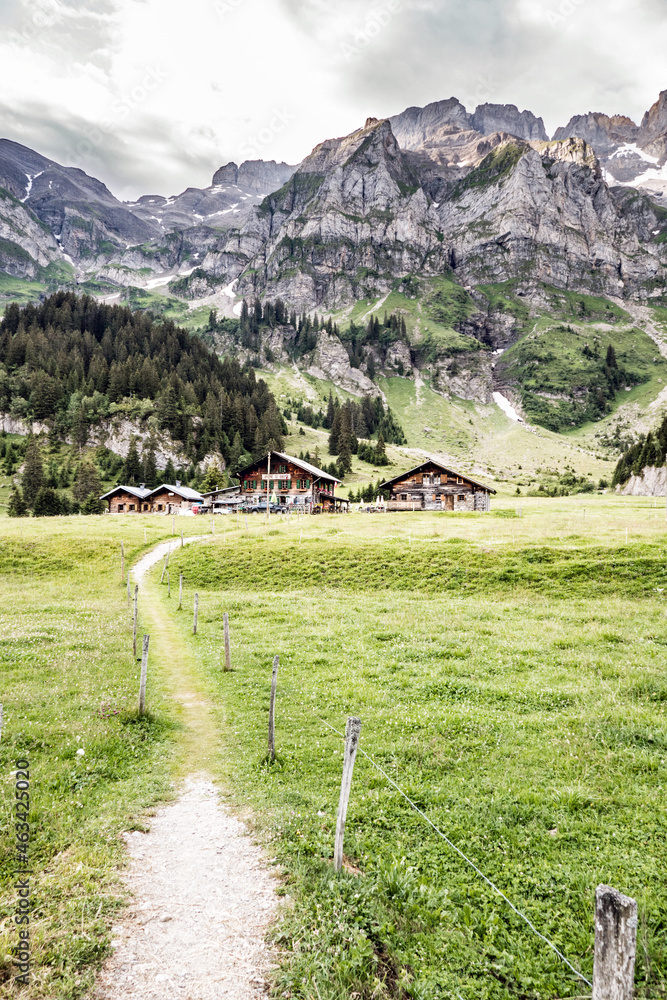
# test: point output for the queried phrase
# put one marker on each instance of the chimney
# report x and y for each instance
(178, 482)
(142, 486)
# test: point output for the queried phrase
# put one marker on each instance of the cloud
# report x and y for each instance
(152, 96)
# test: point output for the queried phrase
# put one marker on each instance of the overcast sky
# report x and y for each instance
(152, 96)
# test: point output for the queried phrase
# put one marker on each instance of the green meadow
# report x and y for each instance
(509, 673)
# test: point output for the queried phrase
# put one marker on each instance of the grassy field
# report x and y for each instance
(509, 673)
(523, 713)
(68, 683)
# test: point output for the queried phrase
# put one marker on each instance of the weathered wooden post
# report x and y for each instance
(122, 562)
(128, 590)
(168, 585)
(194, 624)
(615, 945)
(134, 625)
(272, 708)
(180, 591)
(144, 671)
(352, 732)
(228, 656)
(164, 568)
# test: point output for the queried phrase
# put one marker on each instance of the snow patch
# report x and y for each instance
(228, 290)
(507, 408)
(31, 178)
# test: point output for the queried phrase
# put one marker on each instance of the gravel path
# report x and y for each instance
(203, 903)
(203, 896)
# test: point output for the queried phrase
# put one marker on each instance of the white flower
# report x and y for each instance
(80, 752)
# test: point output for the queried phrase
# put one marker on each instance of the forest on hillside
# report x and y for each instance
(72, 362)
(650, 450)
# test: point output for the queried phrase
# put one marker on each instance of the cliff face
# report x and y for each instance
(357, 215)
(481, 193)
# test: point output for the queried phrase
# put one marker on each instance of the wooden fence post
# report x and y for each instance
(180, 591)
(615, 945)
(128, 590)
(168, 585)
(194, 624)
(134, 625)
(228, 657)
(352, 732)
(144, 671)
(272, 708)
(122, 562)
(164, 568)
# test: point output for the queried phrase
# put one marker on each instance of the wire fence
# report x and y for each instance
(461, 854)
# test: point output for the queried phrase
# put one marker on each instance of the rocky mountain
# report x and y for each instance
(483, 195)
(629, 154)
(226, 203)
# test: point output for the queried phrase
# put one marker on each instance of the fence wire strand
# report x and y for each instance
(465, 857)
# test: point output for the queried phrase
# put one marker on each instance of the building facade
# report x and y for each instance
(167, 499)
(289, 480)
(432, 486)
(127, 500)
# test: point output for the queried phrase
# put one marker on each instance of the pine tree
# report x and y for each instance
(149, 467)
(93, 505)
(169, 473)
(610, 360)
(17, 506)
(47, 503)
(87, 482)
(331, 412)
(33, 472)
(132, 465)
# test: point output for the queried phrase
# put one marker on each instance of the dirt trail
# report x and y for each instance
(203, 897)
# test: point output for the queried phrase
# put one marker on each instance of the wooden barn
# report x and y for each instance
(290, 481)
(127, 499)
(166, 499)
(432, 486)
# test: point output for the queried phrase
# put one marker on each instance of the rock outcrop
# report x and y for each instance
(651, 483)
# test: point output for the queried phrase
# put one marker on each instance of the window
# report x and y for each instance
(404, 496)
(461, 497)
(121, 506)
(131, 506)
(160, 506)
(436, 480)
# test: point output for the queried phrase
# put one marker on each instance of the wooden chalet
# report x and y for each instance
(290, 481)
(432, 486)
(127, 499)
(166, 499)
